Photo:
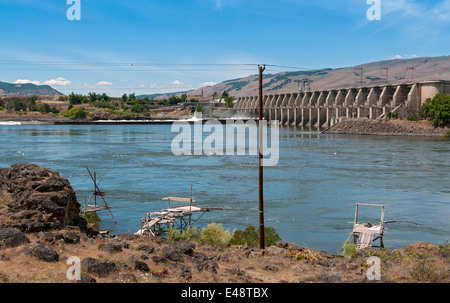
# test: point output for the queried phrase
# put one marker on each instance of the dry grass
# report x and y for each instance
(235, 264)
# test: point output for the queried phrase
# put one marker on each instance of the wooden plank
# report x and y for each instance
(179, 199)
(371, 204)
(94, 209)
(193, 204)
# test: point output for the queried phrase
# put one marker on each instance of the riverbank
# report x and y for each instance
(41, 229)
(36, 118)
(130, 258)
(387, 128)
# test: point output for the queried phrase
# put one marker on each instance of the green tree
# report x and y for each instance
(105, 97)
(437, 110)
(44, 108)
(32, 105)
(77, 98)
(93, 97)
(229, 102)
(124, 98)
(173, 100)
(19, 105)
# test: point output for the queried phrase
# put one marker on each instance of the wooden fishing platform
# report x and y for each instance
(179, 217)
(364, 234)
(92, 208)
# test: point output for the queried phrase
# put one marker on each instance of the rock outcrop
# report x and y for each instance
(34, 199)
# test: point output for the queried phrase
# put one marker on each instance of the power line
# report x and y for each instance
(123, 70)
(141, 64)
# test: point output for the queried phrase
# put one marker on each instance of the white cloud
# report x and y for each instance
(104, 83)
(26, 81)
(208, 83)
(60, 81)
(176, 82)
(404, 56)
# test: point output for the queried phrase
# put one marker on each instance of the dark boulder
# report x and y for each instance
(71, 237)
(171, 253)
(37, 199)
(128, 278)
(97, 267)
(45, 253)
(147, 248)
(86, 279)
(141, 266)
(12, 237)
(184, 247)
(111, 248)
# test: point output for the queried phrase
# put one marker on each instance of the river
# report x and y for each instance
(309, 197)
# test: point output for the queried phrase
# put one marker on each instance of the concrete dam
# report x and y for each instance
(327, 107)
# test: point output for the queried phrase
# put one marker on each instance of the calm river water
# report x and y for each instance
(309, 197)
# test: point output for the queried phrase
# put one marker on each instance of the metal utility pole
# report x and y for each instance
(261, 197)
(410, 69)
(386, 69)
(361, 70)
(303, 85)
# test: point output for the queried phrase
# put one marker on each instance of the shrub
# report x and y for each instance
(437, 110)
(348, 249)
(189, 234)
(423, 273)
(305, 254)
(139, 108)
(414, 118)
(250, 236)
(215, 234)
(392, 115)
(76, 112)
(91, 217)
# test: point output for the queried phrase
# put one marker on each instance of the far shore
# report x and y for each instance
(362, 126)
(394, 127)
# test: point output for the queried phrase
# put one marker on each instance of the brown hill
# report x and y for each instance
(375, 73)
(28, 89)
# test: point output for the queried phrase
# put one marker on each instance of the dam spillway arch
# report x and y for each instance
(324, 108)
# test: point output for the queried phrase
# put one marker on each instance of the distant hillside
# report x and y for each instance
(11, 89)
(397, 71)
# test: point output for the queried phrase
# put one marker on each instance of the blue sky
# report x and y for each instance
(113, 34)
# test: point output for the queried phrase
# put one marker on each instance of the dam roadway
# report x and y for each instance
(324, 108)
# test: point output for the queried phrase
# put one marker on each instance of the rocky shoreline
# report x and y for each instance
(387, 128)
(41, 230)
